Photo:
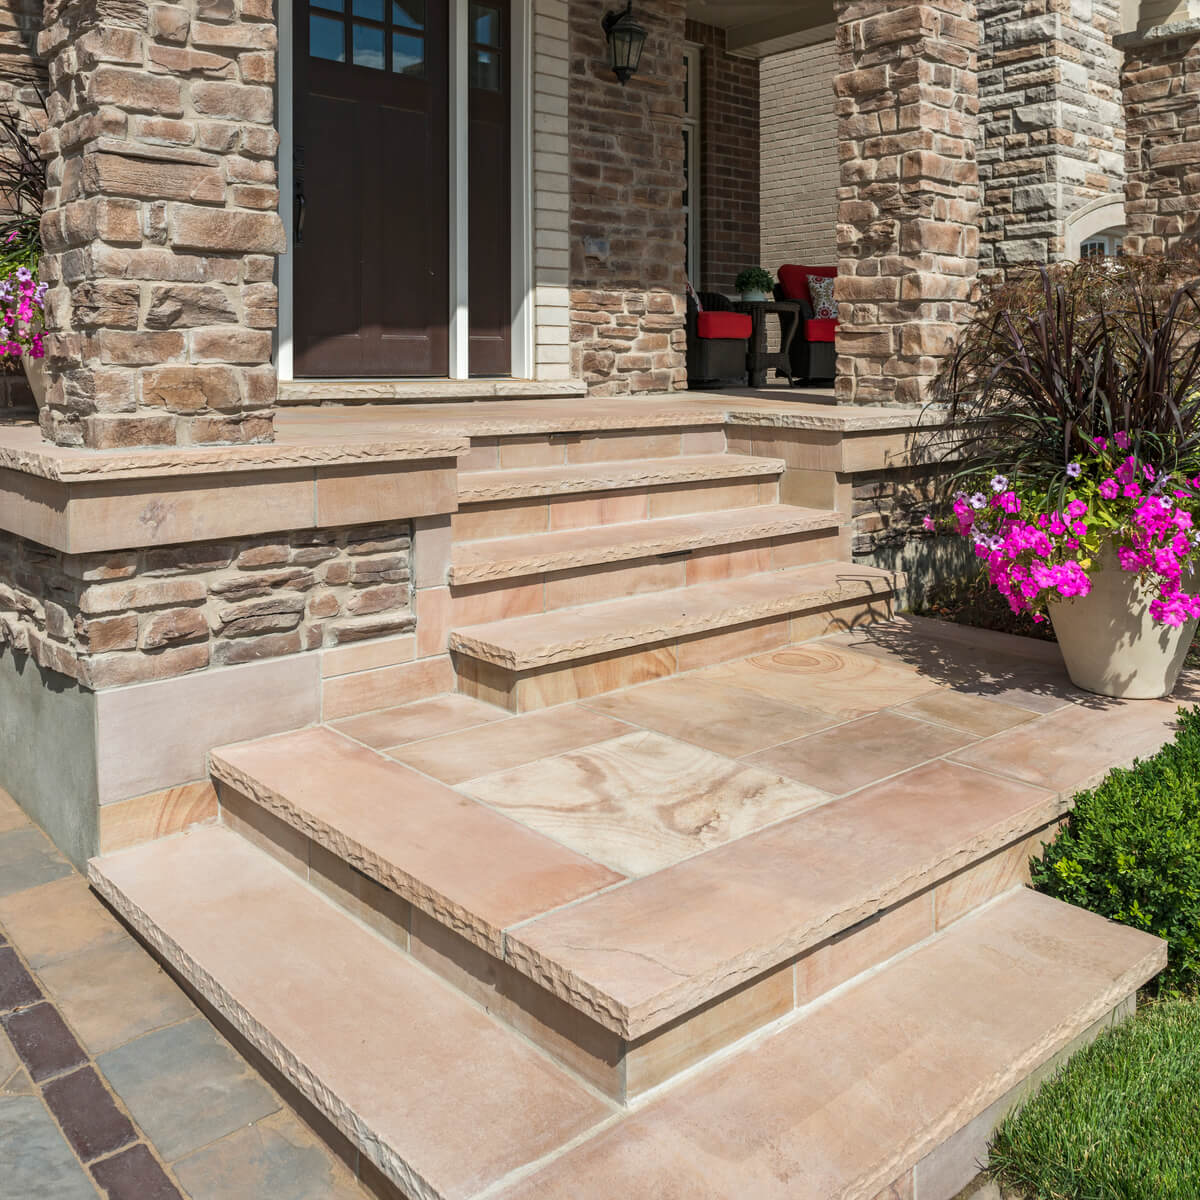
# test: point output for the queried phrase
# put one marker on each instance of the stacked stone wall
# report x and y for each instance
(129, 616)
(1161, 83)
(908, 212)
(1051, 136)
(627, 252)
(161, 221)
(729, 161)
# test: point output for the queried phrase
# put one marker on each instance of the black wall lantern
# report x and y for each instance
(626, 38)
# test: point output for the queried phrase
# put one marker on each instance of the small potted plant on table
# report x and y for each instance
(754, 284)
(1074, 412)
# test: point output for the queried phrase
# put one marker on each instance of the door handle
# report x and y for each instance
(301, 205)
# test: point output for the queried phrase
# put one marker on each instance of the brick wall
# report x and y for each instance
(1051, 136)
(161, 225)
(1162, 112)
(626, 243)
(111, 619)
(799, 175)
(729, 161)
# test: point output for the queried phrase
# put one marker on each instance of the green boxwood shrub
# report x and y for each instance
(1131, 851)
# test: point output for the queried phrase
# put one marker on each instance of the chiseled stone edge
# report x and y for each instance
(802, 600)
(847, 418)
(800, 520)
(635, 1020)
(308, 391)
(475, 487)
(1158, 33)
(428, 899)
(94, 465)
(344, 1118)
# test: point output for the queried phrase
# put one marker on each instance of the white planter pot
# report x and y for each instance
(754, 297)
(35, 373)
(1110, 643)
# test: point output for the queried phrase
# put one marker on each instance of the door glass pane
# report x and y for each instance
(368, 47)
(371, 9)
(408, 14)
(326, 38)
(485, 25)
(332, 5)
(485, 70)
(408, 54)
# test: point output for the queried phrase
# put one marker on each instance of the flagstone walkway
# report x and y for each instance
(112, 1083)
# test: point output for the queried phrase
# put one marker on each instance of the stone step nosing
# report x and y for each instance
(483, 642)
(521, 483)
(641, 539)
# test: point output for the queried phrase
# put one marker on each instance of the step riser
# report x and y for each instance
(525, 595)
(526, 690)
(604, 445)
(545, 514)
(620, 1068)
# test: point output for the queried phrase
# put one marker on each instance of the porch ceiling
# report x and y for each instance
(756, 28)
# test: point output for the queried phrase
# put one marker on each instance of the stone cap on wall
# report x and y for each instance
(1158, 33)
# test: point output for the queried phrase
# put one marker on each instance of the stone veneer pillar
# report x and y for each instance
(1160, 85)
(1052, 137)
(161, 225)
(908, 204)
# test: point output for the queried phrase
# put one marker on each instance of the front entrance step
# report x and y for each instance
(631, 982)
(569, 549)
(441, 1098)
(842, 1100)
(530, 662)
(475, 487)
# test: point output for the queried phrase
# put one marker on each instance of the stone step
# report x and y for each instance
(903, 1073)
(475, 487)
(527, 662)
(627, 982)
(890, 1090)
(444, 1100)
(570, 549)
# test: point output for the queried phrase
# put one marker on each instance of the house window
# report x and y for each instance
(691, 161)
(1108, 244)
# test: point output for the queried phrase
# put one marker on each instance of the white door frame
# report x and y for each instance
(521, 93)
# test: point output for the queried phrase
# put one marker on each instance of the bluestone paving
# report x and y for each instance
(38, 1163)
(28, 858)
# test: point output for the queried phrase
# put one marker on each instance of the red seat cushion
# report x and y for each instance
(794, 280)
(723, 325)
(821, 331)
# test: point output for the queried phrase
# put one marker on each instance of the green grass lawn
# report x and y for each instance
(1120, 1122)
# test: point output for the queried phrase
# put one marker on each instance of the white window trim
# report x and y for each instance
(692, 53)
(521, 93)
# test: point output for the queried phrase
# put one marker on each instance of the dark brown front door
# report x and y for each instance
(489, 249)
(371, 294)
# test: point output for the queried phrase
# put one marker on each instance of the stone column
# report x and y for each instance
(908, 204)
(161, 226)
(1159, 85)
(1052, 138)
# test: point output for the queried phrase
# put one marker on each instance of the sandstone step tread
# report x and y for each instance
(562, 550)
(524, 643)
(846, 1099)
(443, 1099)
(466, 865)
(475, 487)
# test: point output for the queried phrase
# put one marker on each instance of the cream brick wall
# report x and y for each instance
(799, 157)
(551, 192)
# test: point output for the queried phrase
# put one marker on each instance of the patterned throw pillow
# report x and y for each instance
(821, 290)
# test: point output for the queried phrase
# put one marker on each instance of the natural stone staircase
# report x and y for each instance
(837, 998)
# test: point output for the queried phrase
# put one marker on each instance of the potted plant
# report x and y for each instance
(754, 283)
(22, 294)
(1074, 414)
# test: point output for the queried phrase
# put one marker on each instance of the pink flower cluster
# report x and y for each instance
(1035, 555)
(22, 302)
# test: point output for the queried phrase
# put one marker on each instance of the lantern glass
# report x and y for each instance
(626, 40)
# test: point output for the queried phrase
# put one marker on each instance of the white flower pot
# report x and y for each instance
(39, 381)
(1110, 643)
(754, 297)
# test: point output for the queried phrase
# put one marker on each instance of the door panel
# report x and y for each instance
(372, 178)
(489, 243)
